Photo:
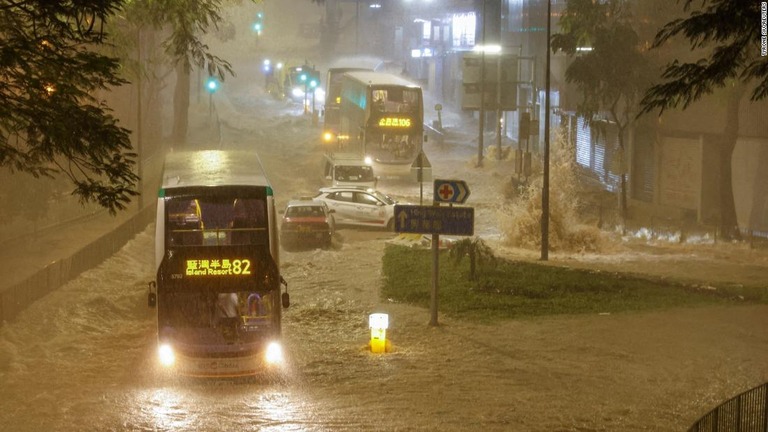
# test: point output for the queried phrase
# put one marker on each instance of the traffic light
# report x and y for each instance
(310, 77)
(258, 25)
(212, 84)
(314, 79)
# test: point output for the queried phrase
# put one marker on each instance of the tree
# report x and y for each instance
(729, 31)
(611, 74)
(50, 120)
(187, 19)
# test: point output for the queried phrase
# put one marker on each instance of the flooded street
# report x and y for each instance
(82, 358)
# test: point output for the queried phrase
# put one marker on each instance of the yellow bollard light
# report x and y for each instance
(378, 322)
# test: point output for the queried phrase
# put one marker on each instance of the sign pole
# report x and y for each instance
(421, 179)
(435, 277)
(436, 220)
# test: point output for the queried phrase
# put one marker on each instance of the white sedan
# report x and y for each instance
(358, 205)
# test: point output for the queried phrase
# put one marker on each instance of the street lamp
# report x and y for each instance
(481, 119)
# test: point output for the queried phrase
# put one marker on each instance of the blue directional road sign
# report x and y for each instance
(416, 219)
(451, 191)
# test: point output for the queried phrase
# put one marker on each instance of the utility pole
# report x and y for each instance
(498, 105)
(545, 186)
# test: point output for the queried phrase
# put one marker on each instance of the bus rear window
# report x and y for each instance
(215, 220)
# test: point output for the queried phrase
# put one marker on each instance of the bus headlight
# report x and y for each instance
(297, 92)
(328, 136)
(274, 354)
(166, 355)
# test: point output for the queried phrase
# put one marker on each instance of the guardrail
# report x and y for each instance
(747, 412)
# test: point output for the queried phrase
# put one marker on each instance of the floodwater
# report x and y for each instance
(82, 358)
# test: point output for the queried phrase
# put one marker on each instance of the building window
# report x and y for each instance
(426, 30)
(464, 25)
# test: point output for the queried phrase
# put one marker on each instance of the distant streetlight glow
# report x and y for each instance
(488, 49)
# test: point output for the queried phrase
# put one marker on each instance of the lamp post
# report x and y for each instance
(494, 50)
(498, 105)
(481, 119)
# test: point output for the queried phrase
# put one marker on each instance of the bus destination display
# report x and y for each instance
(397, 122)
(216, 267)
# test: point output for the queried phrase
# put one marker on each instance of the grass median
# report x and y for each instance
(515, 289)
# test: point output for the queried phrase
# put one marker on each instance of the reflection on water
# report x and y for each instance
(278, 411)
(219, 406)
(164, 409)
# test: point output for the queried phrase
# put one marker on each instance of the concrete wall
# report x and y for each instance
(16, 298)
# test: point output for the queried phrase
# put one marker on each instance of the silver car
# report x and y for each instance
(358, 205)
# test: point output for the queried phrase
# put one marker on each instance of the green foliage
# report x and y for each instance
(50, 119)
(730, 30)
(523, 289)
(724, 31)
(610, 76)
(187, 19)
(479, 253)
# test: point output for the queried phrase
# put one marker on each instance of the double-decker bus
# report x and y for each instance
(333, 102)
(218, 287)
(383, 116)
